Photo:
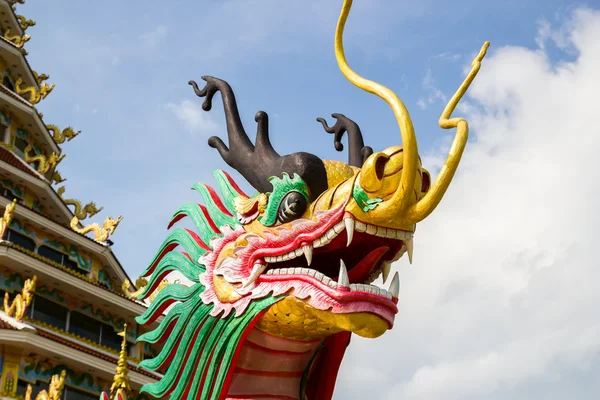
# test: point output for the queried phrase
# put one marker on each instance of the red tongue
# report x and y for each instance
(363, 269)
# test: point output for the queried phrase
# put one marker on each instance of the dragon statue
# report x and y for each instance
(57, 384)
(81, 213)
(21, 301)
(57, 178)
(276, 282)
(35, 95)
(101, 233)
(45, 163)
(39, 78)
(7, 218)
(24, 22)
(17, 40)
(140, 283)
(60, 136)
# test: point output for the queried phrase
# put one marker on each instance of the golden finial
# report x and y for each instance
(57, 384)
(21, 301)
(7, 217)
(121, 380)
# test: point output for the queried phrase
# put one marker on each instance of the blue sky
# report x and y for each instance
(121, 70)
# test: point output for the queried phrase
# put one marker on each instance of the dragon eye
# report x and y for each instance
(291, 207)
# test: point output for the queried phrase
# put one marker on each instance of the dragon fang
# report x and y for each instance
(276, 283)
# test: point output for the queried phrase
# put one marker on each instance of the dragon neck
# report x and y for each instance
(271, 367)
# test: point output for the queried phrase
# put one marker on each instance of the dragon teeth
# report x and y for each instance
(385, 271)
(343, 280)
(349, 224)
(360, 227)
(395, 286)
(257, 269)
(308, 252)
(409, 249)
(371, 229)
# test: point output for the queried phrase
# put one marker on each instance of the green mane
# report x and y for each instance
(198, 349)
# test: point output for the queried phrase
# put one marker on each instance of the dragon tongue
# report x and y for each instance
(360, 272)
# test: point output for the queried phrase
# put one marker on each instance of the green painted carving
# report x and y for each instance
(22, 134)
(53, 294)
(108, 318)
(103, 278)
(21, 228)
(84, 263)
(37, 206)
(11, 281)
(4, 119)
(16, 190)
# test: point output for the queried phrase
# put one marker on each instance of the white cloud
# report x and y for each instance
(504, 292)
(429, 86)
(447, 56)
(154, 38)
(192, 116)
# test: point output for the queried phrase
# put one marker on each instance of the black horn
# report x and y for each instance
(257, 162)
(357, 151)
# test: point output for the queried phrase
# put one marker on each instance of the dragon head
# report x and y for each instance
(296, 259)
(110, 224)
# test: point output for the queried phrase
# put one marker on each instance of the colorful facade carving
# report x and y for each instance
(58, 287)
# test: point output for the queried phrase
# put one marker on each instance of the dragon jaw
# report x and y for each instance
(325, 260)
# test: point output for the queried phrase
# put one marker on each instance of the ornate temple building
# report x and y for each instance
(65, 294)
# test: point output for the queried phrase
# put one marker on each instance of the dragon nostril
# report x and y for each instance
(380, 167)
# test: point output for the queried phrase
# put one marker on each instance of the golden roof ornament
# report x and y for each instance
(17, 40)
(35, 95)
(39, 78)
(57, 178)
(57, 384)
(24, 22)
(101, 233)
(89, 210)
(121, 386)
(21, 301)
(45, 163)
(140, 283)
(60, 136)
(7, 218)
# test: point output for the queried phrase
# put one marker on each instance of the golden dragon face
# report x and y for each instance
(320, 232)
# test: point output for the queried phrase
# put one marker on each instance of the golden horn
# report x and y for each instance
(402, 196)
(429, 202)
